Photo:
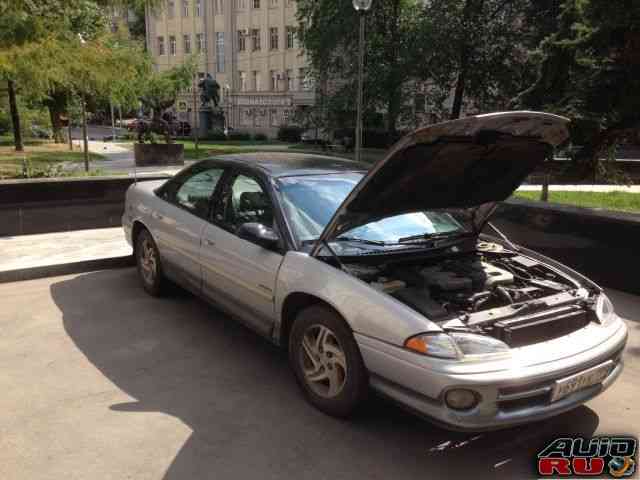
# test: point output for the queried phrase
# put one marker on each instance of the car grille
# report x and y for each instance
(516, 397)
(529, 330)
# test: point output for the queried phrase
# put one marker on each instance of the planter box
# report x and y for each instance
(150, 154)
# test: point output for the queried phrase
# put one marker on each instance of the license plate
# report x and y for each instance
(579, 381)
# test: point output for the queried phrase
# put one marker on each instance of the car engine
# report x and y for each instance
(477, 286)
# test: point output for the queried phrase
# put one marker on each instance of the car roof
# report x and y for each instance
(283, 164)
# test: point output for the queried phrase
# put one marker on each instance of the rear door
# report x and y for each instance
(237, 273)
(180, 221)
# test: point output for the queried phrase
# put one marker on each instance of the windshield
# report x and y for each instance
(310, 201)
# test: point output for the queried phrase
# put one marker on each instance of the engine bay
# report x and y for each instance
(480, 291)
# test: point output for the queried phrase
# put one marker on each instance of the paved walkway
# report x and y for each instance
(582, 188)
(119, 159)
(30, 256)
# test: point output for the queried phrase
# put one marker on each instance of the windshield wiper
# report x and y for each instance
(363, 240)
(428, 237)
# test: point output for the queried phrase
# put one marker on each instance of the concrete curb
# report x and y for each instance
(32, 273)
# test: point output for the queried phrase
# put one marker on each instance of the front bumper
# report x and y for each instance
(509, 395)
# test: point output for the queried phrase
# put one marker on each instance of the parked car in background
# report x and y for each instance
(41, 132)
(381, 278)
(133, 125)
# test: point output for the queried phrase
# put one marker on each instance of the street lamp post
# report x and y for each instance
(361, 6)
(227, 104)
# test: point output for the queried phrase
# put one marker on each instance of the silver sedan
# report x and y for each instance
(381, 278)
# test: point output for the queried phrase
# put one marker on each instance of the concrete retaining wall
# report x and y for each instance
(603, 245)
(57, 205)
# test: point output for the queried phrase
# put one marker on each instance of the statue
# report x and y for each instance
(209, 91)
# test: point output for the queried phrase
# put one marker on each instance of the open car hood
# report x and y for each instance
(467, 164)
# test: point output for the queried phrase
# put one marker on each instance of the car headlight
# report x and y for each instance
(438, 345)
(604, 310)
(456, 345)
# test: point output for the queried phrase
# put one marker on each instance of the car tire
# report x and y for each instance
(335, 383)
(148, 264)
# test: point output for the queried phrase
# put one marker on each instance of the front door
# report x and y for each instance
(237, 273)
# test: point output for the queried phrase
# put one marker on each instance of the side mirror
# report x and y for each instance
(258, 233)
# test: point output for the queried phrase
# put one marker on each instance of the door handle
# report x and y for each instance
(208, 243)
(157, 216)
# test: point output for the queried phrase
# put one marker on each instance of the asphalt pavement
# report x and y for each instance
(101, 381)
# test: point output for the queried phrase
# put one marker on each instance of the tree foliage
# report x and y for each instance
(396, 52)
(590, 70)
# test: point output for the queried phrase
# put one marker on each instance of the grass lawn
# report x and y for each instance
(621, 201)
(40, 155)
(369, 155)
(211, 148)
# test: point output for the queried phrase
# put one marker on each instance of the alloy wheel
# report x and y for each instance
(148, 261)
(323, 361)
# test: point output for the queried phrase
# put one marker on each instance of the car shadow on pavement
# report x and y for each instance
(179, 356)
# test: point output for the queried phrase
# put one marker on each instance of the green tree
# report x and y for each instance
(590, 71)
(480, 47)
(396, 53)
(159, 91)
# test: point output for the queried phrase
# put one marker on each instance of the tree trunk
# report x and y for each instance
(15, 117)
(466, 47)
(393, 111)
(456, 109)
(395, 97)
(57, 106)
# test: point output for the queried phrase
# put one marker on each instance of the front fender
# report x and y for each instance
(366, 310)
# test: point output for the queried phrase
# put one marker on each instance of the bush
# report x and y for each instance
(238, 136)
(371, 138)
(215, 135)
(260, 137)
(290, 134)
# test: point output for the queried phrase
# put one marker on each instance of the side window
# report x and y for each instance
(195, 192)
(246, 201)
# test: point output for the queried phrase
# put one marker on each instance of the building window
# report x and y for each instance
(186, 44)
(273, 3)
(303, 80)
(171, 8)
(291, 34)
(274, 80)
(241, 41)
(273, 38)
(243, 81)
(289, 74)
(274, 119)
(218, 7)
(198, 8)
(241, 4)
(172, 45)
(290, 3)
(185, 8)
(160, 45)
(256, 80)
(255, 39)
(256, 3)
(200, 45)
(220, 52)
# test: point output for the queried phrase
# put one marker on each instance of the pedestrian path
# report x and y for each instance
(582, 188)
(33, 256)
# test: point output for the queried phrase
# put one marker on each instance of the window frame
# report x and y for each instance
(170, 188)
(286, 242)
(273, 38)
